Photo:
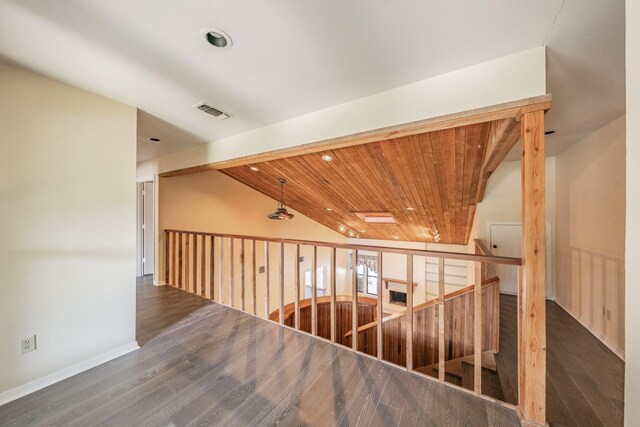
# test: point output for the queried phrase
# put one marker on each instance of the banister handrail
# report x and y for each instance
(482, 247)
(290, 308)
(427, 304)
(369, 248)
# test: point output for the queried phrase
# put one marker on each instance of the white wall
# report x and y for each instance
(590, 197)
(632, 242)
(510, 78)
(67, 226)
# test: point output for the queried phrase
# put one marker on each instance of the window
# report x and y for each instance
(319, 282)
(367, 274)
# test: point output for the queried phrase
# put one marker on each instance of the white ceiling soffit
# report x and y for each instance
(290, 58)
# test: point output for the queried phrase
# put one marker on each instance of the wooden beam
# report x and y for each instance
(531, 310)
(479, 115)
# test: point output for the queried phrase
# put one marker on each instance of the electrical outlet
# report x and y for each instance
(28, 344)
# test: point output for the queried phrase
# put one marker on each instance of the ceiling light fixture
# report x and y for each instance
(327, 158)
(328, 209)
(341, 228)
(216, 37)
(411, 209)
(351, 234)
(154, 139)
(253, 168)
(281, 212)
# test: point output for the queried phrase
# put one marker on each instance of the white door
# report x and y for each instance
(506, 240)
(147, 228)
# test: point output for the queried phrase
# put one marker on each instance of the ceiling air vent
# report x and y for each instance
(211, 110)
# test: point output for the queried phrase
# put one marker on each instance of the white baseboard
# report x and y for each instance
(614, 348)
(65, 373)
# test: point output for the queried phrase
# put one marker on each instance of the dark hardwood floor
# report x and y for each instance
(202, 363)
(585, 380)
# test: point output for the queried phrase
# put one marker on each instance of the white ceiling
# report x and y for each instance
(291, 57)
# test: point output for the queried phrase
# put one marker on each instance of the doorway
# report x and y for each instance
(505, 239)
(145, 228)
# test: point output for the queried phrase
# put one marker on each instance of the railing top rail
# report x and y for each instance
(349, 246)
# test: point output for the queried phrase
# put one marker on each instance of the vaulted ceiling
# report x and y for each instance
(429, 182)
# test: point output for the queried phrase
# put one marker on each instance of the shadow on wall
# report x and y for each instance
(597, 294)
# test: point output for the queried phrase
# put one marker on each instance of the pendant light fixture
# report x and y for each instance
(281, 212)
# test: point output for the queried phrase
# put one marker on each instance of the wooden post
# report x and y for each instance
(221, 270)
(166, 257)
(297, 290)
(441, 319)
(354, 301)
(281, 311)
(242, 290)
(409, 315)
(187, 285)
(477, 330)
(314, 292)
(333, 294)
(212, 268)
(266, 279)
(174, 255)
(254, 277)
(379, 310)
(531, 301)
(231, 284)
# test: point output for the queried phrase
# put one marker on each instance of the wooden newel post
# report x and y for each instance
(531, 292)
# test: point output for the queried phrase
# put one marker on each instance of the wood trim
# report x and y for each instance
(289, 309)
(370, 248)
(513, 109)
(386, 281)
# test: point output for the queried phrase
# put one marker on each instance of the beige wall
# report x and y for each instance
(590, 215)
(632, 250)
(67, 226)
(213, 202)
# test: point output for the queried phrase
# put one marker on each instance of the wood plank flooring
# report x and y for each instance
(202, 363)
(585, 380)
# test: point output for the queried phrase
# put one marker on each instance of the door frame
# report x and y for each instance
(550, 290)
(140, 251)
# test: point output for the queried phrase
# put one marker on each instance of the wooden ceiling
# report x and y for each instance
(428, 175)
(429, 182)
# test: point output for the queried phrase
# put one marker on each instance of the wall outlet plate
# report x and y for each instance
(28, 344)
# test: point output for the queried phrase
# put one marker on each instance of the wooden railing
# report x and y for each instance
(459, 322)
(215, 266)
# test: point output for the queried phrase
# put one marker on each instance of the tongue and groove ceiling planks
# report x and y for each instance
(430, 181)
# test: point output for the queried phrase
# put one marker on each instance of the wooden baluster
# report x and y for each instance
(195, 264)
(221, 269)
(266, 280)
(212, 269)
(333, 294)
(314, 292)
(409, 315)
(166, 256)
(441, 319)
(231, 284)
(354, 301)
(297, 290)
(379, 309)
(242, 290)
(203, 276)
(180, 260)
(477, 330)
(281, 313)
(253, 284)
(174, 255)
(187, 264)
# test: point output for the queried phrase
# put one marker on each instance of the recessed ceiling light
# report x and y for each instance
(154, 139)
(327, 158)
(329, 209)
(253, 168)
(396, 237)
(351, 233)
(411, 209)
(216, 37)
(341, 228)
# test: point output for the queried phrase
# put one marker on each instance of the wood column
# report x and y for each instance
(531, 292)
